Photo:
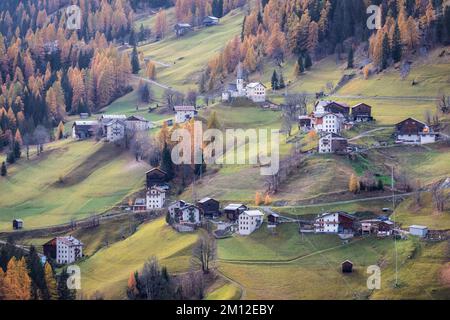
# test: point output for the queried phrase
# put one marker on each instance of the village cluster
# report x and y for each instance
(111, 128)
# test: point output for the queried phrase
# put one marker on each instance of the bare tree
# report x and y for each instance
(191, 98)
(139, 144)
(439, 197)
(295, 105)
(443, 104)
(169, 97)
(205, 252)
(41, 137)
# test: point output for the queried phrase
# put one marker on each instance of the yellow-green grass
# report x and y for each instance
(151, 19)
(427, 163)
(392, 111)
(419, 277)
(432, 79)
(70, 180)
(227, 291)
(318, 276)
(108, 270)
(282, 245)
(188, 55)
(313, 80)
(375, 206)
(240, 181)
(409, 213)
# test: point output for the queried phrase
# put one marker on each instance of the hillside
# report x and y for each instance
(69, 180)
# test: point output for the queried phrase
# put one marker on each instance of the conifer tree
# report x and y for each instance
(281, 83)
(60, 131)
(135, 61)
(17, 283)
(396, 44)
(308, 61)
(4, 170)
(38, 286)
(267, 200)
(64, 293)
(350, 59)
(353, 185)
(385, 52)
(274, 81)
(166, 162)
(258, 198)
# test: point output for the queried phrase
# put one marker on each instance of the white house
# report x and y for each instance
(332, 143)
(184, 113)
(256, 92)
(115, 130)
(183, 212)
(412, 131)
(68, 250)
(138, 123)
(249, 221)
(155, 198)
(334, 222)
(329, 122)
(104, 119)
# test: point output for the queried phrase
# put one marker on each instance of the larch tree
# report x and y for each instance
(353, 185)
(50, 282)
(17, 283)
(258, 198)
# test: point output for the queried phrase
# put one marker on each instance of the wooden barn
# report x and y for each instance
(17, 224)
(347, 266)
(233, 210)
(155, 177)
(209, 207)
(273, 218)
(362, 113)
(49, 249)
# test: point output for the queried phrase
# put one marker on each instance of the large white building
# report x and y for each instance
(155, 198)
(334, 222)
(249, 221)
(184, 113)
(256, 92)
(115, 130)
(329, 122)
(68, 250)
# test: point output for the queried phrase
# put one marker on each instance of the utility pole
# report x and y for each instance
(393, 216)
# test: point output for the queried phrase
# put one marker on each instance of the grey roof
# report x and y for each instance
(233, 206)
(418, 227)
(253, 213)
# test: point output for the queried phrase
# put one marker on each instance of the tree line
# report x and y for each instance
(25, 277)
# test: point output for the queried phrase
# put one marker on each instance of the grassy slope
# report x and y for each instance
(107, 270)
(94, 180)
(189, 54)
(318, 276)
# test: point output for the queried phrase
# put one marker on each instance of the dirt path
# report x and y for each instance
(367, 133)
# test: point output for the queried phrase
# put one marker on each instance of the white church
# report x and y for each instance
(254, 91)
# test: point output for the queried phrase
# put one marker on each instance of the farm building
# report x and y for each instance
(233, 210)
(361, 113)
(17, 224)
(256, 92)
(138, 123)
(104, 119)
(184, 113)
(49, 249)
(273, 218)
(347, 266)
(210, 21)
(420, 231)
(412, 131)
(376, 226)
(332, 143)
(304, 123)
(183, 212)
(249, 221)
(155, 198)
(322, 107)
(335, 222)
(182, 28)
(209, 207)
(84, 129)
(155, 177)
(139, 205)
